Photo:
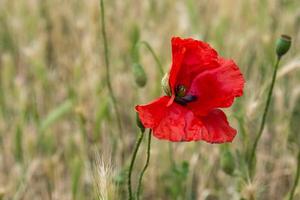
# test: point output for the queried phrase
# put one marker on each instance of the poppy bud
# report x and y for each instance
(165, 85)
(139, 74)
(227, 161)
(139, 123)
(283, 45)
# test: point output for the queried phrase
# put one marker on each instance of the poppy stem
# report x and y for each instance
(145, 167)
(137, 146)
(291, 197)
(263, 121)
(107, 65)
(159, 65)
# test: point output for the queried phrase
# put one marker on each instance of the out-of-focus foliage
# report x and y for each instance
(56, 117)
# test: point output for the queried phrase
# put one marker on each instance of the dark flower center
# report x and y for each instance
(181, 97)
(180, 90)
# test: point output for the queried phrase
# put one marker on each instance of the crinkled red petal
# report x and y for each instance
(151, 114)
(174, 123)
(213, 80)
(216, 88)
(219, 130)
(189, 58)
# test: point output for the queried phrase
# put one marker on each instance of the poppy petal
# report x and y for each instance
(174, 123)
(190, 57)
(216, 88)
(219, 130)
(180, 124)
(178, 51)
(152, 113)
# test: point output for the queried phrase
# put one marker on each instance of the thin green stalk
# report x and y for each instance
(291, 197)
(263, 121)
(107, 65)
(159, 65)
(137, 146)
(145, 167)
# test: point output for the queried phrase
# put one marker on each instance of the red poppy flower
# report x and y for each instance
(200, 82)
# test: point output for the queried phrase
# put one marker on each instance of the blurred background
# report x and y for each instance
(59, 137)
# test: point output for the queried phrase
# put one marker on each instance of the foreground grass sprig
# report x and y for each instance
(282, 47)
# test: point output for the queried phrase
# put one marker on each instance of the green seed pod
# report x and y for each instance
(139, 74)
(139, 123)
(165, 85)
(283, 45)
(227, 161)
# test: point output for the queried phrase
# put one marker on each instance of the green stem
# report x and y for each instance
(262, 125)
(145, 167)
(107, 65)
(137, 145)
(296, 179)
(159, 65)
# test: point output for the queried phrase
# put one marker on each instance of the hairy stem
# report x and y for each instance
(263, 121)
(145, 167)
(137, 146)
(291, 197)
(107, 65)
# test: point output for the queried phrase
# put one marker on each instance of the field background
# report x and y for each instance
(58, 133)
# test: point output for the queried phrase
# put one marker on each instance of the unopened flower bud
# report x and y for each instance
(227, 161)
(139, 123)
(165, 85)
(139, 74)
(283, 45)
